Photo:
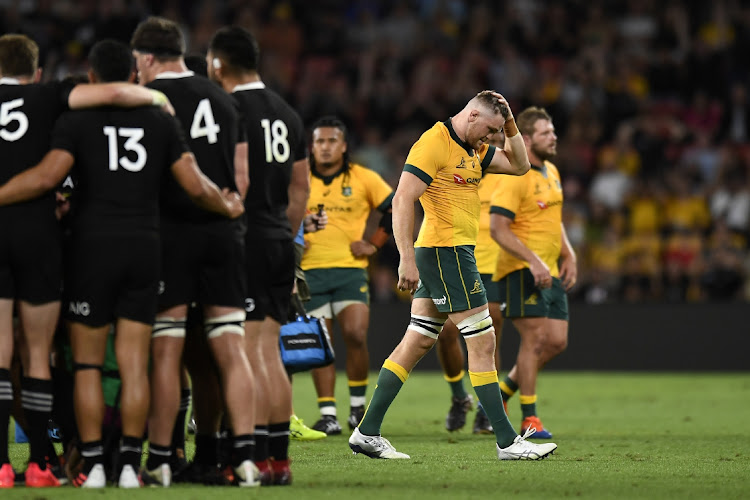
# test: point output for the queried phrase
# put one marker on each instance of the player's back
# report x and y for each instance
(276, 139)
(121, 159)
(27, 116)
(211, 121)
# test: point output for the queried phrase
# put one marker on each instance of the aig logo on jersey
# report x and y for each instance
(79, 308)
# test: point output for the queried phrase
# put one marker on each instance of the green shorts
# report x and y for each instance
(303, 291)
(520, 298)
(331, 286)
(449, 276)
(491, 288)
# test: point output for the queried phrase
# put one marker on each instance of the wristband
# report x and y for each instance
(510, 128)
(158, 98)
(378, 238)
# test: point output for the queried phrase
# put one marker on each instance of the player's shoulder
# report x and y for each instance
(552, 168)
(263, 100)
(52, 90)
(434, 138)
(363, 172)
(438, 132)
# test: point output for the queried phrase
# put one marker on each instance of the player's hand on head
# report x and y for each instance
(504, 106)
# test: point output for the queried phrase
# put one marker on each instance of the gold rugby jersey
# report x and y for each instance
(452, 171)
(348, 198)
(487, 249)
(534, 203)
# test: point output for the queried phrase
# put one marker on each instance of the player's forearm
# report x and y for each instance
(515, 150)
(295, 211)
(403, 227)
(511, 244)
(566, 249)
(25, 186)
(241, 175)
(209, 197)
(299, 193)
(115, 94)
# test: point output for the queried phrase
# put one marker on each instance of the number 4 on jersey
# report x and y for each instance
(205, 115)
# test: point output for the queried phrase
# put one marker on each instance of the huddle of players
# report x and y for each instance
(166, 213)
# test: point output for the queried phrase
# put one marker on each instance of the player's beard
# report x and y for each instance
(544, 154)
(327, 165)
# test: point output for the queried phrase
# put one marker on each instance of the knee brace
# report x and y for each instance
(233, 322)
(429, 327)
(169, 327)
(476, 325)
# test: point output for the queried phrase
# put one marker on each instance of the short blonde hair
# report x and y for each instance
(19, 55)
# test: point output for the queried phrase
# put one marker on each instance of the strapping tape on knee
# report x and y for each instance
(233, 322)
(169, 327)
(429, 327)
(476, 325)
(85, 366)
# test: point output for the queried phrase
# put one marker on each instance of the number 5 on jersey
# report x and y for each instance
(7, 117)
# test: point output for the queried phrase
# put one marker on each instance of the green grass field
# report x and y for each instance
(620, 436)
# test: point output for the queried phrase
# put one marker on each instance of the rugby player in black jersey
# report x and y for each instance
(203, 253)
(30, 249)
(121, 157)
(275, 205)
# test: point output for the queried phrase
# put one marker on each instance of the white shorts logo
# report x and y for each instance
(162, 287)
(503, 306)
(249, 305)
(440, 302)
(79, 308)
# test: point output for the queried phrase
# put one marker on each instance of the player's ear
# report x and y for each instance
(92, 76)
(217, 67)
(38, 75)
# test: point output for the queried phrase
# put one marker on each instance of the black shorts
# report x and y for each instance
(30, 262)
(270, 278)
(203, 263)
(111, 276)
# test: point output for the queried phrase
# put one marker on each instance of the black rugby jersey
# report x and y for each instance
(211, 123)
(122, 157)
(27, 117)
(276, 139)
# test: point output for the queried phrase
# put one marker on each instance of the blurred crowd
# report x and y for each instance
(649, 99)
